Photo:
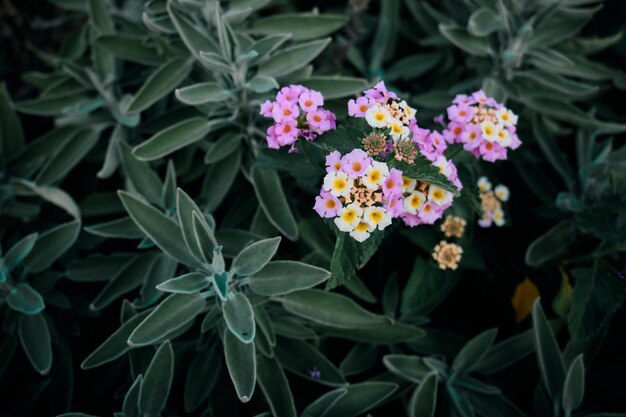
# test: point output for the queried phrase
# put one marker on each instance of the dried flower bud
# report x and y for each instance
(453, 226)
(447, 255)
(405, 150)
(374, 144)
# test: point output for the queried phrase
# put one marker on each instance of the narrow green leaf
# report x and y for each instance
(241, 364)
(201, 377)
(193, 37)
(269, 192)
(239, 316)
(548, 353)
(574, 388)
(360, 398)
(255, 256)
(124, 228)
(160, 83)
(19, 251)
(163, 231)
(293, 58)
(223, 147)
(424, 398)
(202, 93)
(284, 277)
(11, 133)
(275, 387)
(155, 387)
(186, 284)
(129, 48)
(25, 299)
(51, 245)
(301, 357)
(35, 338)
(171, 314)
(302, 27)
(551, 244)
(473, 351)
(176, 137)
(62, 163)
(409, 367)
(99, 15)
(331, 309)
(463, 40)
(185, 207)
(141, 176)
(219, 178)
(319, 407)
(483, 22)
(335, 86)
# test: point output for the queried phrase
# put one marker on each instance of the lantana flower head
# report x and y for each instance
(485, 127)
(297, 112)
(491, 201)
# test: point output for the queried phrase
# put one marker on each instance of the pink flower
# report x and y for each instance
(491, 151)
(379, 93)
(285, 110)
(430, 212)
(411, 220)
(462, 99)
(454, 131)
(310, 100)
(393, 204)
(359, 107)
(355, 163)
(272, 139)
(286, 132)
(333, 161)
(267, 107)
(472, 137)
(439, 120)
(480, 97)
(327, 205)
(438, 142)
(461, 113)
(290, 93)
(318, 120)
(485, 221)
(393, 184)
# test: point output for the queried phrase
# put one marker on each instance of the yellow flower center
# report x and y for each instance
(396, 129)
(376, 216)
(361, 227)
(375, 176)
(363, 108)
(340, 184)
(379, 116)
(488, 130)
(406, 181)
(330, 204)
(415, 201)
(356, 166)
(348, 216)
(438, 195)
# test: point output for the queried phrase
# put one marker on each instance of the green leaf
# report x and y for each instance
(255, 256)
(163, 231)
(186, 284)
(205, 238)
(176, 137)
(97, 267)
(219, 179)
(171, 314)
(160, 83)
(473, 351)
(413, 66)
(426, 288)
(262, 83)
(241, 364)
(193, 38)
(11, 133)
(283, 277)
(490, 405)
(202, 93)
(223, 147)
(35, 338)
(129, 48)
(483, 22)
(201, 377)
(51, 245)
(141, 176)
(127, 279)
(424, 398)
(300, 357)
(361, 358)
(331, 309)
(269, 192)
(319, 407)
(275, 387)
(423, 170)
(360, 398)
(335, 86)
(156, 384)
(301, 27)
(293, 58)
(123, 228)
(72, 153)
(25, 299)
(388, 334)
(574, 388)
(130, 406)
(19, 251)
(548, 353)
(115, 345)
(239, 316)
(111, 159)
(185, 207)
(551, 244)
(99, 15)
(460, 38)
(409, 367)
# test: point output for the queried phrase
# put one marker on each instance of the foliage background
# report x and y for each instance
(551, 178)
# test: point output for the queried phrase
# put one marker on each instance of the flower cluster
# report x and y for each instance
(358, 193)
(447, 255)
(297, 112)
(491, 200)
(485, 127)
(383, 110)
(453, 226)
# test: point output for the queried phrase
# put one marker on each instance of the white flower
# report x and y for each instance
(375, 175)
(377, 217)
(498, 217)
(484, 185)
(506, 117)
(502, 192)
(378, 116)
(408, 184)
(444, 167)
(338, 184)
(489, 131)
(408, 110)
(439, 196)
(361, 231)
(414, 202)
(398, 130)
(348, 217)
(504, 138)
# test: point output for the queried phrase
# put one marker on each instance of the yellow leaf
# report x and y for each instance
(525, 294)
(563, 299)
